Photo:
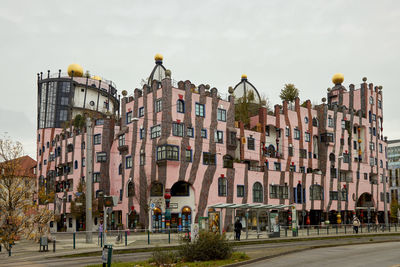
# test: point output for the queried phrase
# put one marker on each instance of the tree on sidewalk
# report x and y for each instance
(19, 216)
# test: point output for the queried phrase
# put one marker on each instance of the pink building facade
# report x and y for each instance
(186, 141)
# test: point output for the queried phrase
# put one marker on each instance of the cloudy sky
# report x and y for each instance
(210, 42)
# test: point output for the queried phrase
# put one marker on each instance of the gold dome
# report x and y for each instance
(158, 57)
(98, 78)
(244, 76)
(77, 69)
(338, 78)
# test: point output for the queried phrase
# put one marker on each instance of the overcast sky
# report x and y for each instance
(210, 42)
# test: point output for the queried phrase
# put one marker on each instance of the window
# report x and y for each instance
(227, 161)
(333, 172)
(371, 100)
(64, 100)
(131, 189)
(307, 137)
(267, 130)
(257, 192)
(306, 120)
(222, 187)
(180, 106)
(354, 144)
(75, 164)
(290, 151)
(296, 134)
(221, 114)
(142, 158)
(287, 131)
(142, 132)
(316, 192)
(97, 139)
(156, 190)
(373, 117)
(219, 137)
(250, 143)
(365, 176)
(315, 122)
(209, 159)
(120, 169)
(158, 105)
(70, 148)
(380, 148)
(63, 115)
(141, 112)
(129, 117)
(303, 169)
(330, 122)
(292, 168)
(379, 103)
(83, 145)
(121, 140)
(190, 132)
(96, 177)
(299, 194)
(155, 131)
(277, 166)
(167, 152)
(83, 162)
(188, 155)
(333, 195)
(303, 153)
(240, 190)
(199, 108)
(344, 194)
(45, 163)
(203, 133)
(371, 145)
(101, 156)
(232, 138)
(128, 162)
(327, 137)
(178, 129)
(346, 157)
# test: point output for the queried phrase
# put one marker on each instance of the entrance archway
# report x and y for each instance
(365, 208)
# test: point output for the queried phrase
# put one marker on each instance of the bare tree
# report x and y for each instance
(19, 216)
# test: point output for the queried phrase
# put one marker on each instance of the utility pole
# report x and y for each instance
(89, 177)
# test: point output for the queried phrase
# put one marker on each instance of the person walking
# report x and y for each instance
(356, 224)
(238, 229)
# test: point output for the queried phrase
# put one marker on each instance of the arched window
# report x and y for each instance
(120, 169)
(180, 189)
(228, 161)
(156, 190)
(257, 192)
(222, 187)
(76, 164)
(315, 122)
(316, 192)
(332, 157)
(180, 106)
(131, 189)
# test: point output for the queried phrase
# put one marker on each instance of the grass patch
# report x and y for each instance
(236, 257)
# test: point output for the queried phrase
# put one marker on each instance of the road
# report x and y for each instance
(378, 254)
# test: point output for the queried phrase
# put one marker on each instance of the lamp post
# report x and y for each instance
(167, 197)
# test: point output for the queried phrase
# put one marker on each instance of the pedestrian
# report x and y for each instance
(238, 229)
(356, 224)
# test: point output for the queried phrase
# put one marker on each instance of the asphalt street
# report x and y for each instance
(371, 255)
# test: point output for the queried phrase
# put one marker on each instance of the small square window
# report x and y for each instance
(240, 190)
(203, 133)
(190, 132)
(97, 139)
(141, 112)
(221, 114)
(101, 156)
(200, 110)
(188, 155)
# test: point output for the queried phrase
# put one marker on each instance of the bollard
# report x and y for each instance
(169, 236)
(101, 239)
(9, 252)
(285, 232)
(148, 237)
(345, 229)
(54, 245)
(308, 231)
(336, 229)
(327, 230)
(73, 239)
(126, 238)
(318, 230)
(361, 227)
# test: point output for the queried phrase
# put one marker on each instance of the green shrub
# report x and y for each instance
(164, 257)
(208, 246)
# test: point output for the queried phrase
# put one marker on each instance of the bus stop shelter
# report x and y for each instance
(251, 207)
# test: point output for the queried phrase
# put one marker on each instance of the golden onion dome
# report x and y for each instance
(158, 57)
(244, 76)
(98, 78)
(77, 69)
(338, 78)
(186, 210)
